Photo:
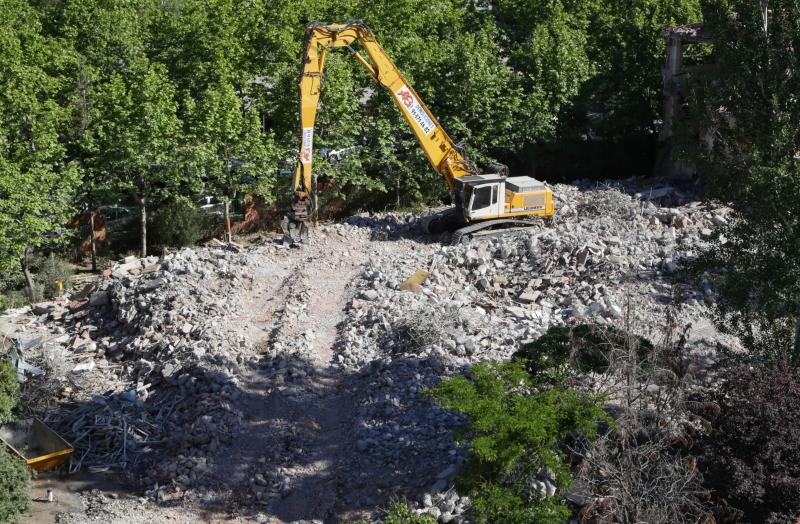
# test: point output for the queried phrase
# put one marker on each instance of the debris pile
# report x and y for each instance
(164, 366)
(608, 257)
(155, 388)
(605, 255)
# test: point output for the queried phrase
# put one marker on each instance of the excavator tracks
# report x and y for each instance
(491, 228)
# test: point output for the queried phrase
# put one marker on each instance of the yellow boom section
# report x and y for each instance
(438, 147)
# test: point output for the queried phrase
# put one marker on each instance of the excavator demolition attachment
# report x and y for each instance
(483, 200)
(295, 228)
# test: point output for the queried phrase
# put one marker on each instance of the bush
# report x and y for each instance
(400, 513)
(637, 470)
(14, 474)
(178, 224)
(584, 348)
(9, 389)
(48, 271)
(519, 431)
(14, 479)
(751, 459)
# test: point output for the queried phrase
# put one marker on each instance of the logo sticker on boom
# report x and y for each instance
(415, 110)
(308, 141)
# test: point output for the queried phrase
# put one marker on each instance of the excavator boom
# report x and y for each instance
(438, 146)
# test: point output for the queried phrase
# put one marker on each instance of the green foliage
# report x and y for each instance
(583, 348)
(547, 46)
(177, 223)
(15, 478)
(36, 182)
(748, 159)
(138, 141)
(231, 151)
(625, 45)
(156, 99)
(50, 269)
(9, 389)
(608, 128)
(516, 429)
(400, 513)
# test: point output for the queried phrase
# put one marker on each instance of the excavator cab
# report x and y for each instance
(483, 196)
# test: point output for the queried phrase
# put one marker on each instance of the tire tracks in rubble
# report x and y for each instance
(309, 410)
(300, 345)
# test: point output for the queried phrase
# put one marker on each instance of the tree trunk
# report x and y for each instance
(27, 272)
(228, 235)
(92, 241)
(143, 207)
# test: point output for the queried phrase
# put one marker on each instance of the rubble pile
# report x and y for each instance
(289, 340)
(387, 226)
(607, 257)
(170, 310)
(590, 264)
(159, 387)
(211, 370)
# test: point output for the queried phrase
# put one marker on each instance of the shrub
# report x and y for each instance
(584, 348)
(9, 389)
(178, 224)
(519, 432)
(14, 474)
(637, 470)
(751, 459)
(14, 479)
(48, 270)
(400, 513)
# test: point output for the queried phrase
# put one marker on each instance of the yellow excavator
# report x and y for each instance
(482, 200)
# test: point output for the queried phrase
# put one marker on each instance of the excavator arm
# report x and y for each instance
(438, 147)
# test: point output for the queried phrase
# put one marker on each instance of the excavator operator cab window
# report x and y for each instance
(482, 197)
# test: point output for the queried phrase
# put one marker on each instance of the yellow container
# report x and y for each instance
(35, 443)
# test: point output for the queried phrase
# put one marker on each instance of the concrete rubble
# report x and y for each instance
(157, 359)
(609, 257)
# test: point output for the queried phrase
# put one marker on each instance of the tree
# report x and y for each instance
(519, 429)
(115, 93)
(36, 181)
(214, 53)
(749, 159)
(138, 142)
(206, 43)
(624, 96)
(233, 152)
